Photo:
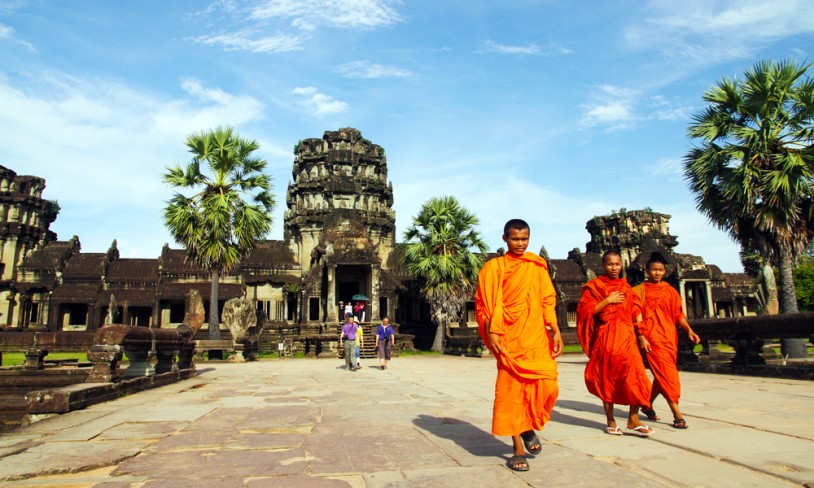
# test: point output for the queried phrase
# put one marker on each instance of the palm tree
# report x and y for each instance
(231, 209)
(753, 170)
(439, 256)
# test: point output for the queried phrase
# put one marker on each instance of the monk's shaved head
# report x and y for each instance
(610, 253)
(516, 224)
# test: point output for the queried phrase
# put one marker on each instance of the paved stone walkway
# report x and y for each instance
(423, 422)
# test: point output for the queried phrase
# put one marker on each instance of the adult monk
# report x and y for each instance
(607, 316)
(514, 304)
(659, 339)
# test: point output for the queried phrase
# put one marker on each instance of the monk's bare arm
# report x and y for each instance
(495, 340)
(614, 297)
(549, 311)
(691, 333)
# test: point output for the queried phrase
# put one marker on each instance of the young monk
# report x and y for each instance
(607, 316)
(659, 339)
(514, 304)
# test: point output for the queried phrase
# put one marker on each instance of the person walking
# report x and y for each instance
(385, 340)
(347, 341)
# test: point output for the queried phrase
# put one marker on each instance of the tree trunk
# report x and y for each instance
(789, 348)
(214, 322)
(438, 342)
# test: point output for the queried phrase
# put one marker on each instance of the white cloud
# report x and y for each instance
(274, 26)
(371, 71)
(102, 146)
(711, 31)
(492, 46)
(7, 33)
(318, 103)
(610, 106)
(345, 14)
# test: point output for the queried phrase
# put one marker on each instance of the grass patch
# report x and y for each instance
(571, 348)
(18, 358)
(417, 352)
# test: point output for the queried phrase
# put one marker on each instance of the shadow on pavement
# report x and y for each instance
(474, 440)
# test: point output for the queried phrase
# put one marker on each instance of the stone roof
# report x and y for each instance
(49, 258)
(85, 266)
(76, 293)
(133, 297)
(269, 255)
(179, 291)
(567, 270)
(133, 271)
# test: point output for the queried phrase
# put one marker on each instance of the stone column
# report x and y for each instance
(375, 276)
(333, 316)
(681, 285)
(711, 309)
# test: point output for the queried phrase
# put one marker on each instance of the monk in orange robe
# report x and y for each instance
(514, 305)
(607, 317)
(659, 339)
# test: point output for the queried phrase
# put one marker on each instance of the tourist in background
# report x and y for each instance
(347, 341)
(385, 340)
(360, 343)
(608, 315)
(515, 306)
(659, 336)
(348, 310)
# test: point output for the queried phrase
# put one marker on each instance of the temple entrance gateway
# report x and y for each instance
(352, 280)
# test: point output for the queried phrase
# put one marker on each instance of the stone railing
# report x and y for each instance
(747, 335)
(141, 345)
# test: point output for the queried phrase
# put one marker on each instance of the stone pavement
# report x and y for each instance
(423, 422)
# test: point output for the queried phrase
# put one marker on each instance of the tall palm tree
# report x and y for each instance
(753, 172)
(231, 209)
(440, 257)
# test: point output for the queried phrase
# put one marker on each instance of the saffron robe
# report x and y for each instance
(516, 296)
(662, 311)
(615, 371)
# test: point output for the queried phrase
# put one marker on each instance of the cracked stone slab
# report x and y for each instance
(66, 457)
(208, 465)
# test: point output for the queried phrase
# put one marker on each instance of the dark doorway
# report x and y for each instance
(351, 280)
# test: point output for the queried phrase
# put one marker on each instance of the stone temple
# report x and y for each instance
(339, 242)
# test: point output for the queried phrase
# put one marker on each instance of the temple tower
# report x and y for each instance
(628, 232)
(340, 224)
(25, 219)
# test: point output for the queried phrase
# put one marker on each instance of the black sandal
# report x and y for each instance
(518, 463)
(532, 442)
(651, 414)
(680, 424)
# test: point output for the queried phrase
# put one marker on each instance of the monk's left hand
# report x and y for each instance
(694, 337)
(558, 344)
(644, 343)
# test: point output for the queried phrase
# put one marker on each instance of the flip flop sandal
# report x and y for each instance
(613, 431)
(641, 431)
(532, 442)
(651, 414)
(517, 463)
(680, 424)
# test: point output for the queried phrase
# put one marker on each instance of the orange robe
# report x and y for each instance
(615, 371)
(662, 311)
(516, 296)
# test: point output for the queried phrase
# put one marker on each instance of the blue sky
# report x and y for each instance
(550, 111)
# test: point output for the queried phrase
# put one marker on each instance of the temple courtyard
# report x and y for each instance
(424, 421)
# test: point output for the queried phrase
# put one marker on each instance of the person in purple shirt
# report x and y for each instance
(347, 341)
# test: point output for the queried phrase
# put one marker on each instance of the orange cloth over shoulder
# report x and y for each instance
(516, 296)
(615, 371)
(662, 311)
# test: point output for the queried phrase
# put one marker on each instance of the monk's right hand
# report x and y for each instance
(616, 297)
(496, 342)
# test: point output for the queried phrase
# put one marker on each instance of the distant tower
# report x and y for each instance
(338, 181)
(340, 225)
(25, 219)
(628, 231)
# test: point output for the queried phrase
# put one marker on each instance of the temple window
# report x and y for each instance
(279, 311)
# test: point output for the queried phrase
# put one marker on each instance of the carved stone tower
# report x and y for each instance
(340, 224)
(628, 232)
(25, 219)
